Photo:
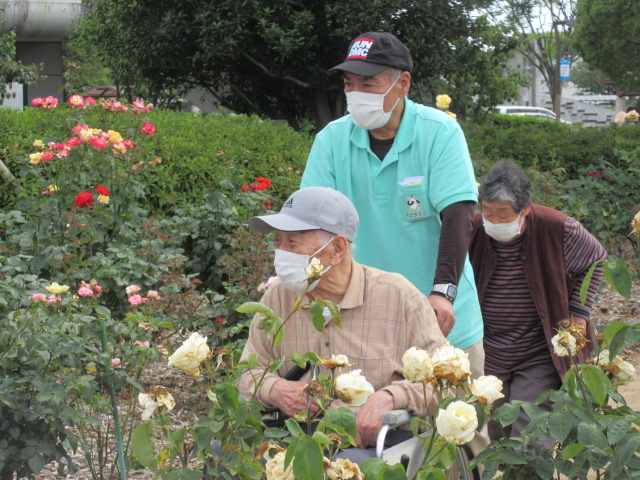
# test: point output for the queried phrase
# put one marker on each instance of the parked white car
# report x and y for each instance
(539, 112)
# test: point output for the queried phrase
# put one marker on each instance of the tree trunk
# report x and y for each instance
(322, 108)
(9, 178)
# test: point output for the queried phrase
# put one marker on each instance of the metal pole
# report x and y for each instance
(557, 101)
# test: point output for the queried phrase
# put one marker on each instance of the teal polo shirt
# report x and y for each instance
(399, 199)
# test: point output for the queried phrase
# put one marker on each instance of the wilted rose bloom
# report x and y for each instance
(115, 362)
(635, 224)
(336, 361)
(152, 294)
(352, 388)
(157, 397)
(564, 344)
(135, 299)
(275, 468)
(443, 102)
(457, 423)
(267, 284)
(314, 270)
(623, 372)
(193, 353)
(343, 469)
(488, 389)
(132, 289)
(417, 365)
(632, 116)
(451, 363)
(56, 288)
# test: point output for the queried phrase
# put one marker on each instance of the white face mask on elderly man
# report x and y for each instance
(502, 232)
(290, 269)
(367, 109)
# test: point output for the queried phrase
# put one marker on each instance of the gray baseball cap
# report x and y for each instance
(312, 208)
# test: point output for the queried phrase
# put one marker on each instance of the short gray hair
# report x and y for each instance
(394, 73)
(506, 182)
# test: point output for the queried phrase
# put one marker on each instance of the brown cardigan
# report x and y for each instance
(542, 254)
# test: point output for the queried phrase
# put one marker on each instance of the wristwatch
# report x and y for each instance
(447, 290)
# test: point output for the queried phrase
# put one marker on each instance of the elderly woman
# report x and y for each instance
(529, 263)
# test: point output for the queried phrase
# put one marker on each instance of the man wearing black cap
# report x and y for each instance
(383, 315)
(407, 170)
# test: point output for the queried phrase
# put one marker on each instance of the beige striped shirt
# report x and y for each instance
(383, 315)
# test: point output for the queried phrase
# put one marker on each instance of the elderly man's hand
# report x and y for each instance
(444, 313)
(289, 398)
(369, 418)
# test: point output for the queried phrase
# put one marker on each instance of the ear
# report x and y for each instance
(339, 246)
(405, 83)
(526, 210)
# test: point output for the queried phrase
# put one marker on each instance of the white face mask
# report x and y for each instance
(290, 268)
(502, 232)
(367, 109)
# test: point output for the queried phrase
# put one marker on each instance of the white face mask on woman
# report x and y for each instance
(502, 232)
(290, 268)
(367, 109)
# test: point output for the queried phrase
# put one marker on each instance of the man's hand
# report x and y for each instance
(444, 313)
(579, 321)
(369, 418)
(289, 398)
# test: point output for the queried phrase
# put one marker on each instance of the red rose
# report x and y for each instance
(102, 190)
(245, 188)
(148, 129)
(84, 199)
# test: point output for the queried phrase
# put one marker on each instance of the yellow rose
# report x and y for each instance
(352, 388)
(443, 102)
(336, 361)
(193, 353)
(451, 364)
(56, 289)
(38, 144)
(488, 389)
(457, 423)
(635, 224)
(417, 365)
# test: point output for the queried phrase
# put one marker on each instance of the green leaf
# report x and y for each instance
(588, 434)
(143, 445)
(560, 425)
(584, 289)
(612, 329)
(373, 468)
(395, 472)
(255, 307)
(317, 317)
(618, 275)
(307, 460)
(508, 456)
(572, 450)
(343, 417)
(544, 468)
(36, 463)
(272, 432)
(624, 451)
(617, 342)
(435, 475)
(507, 414)
(597, 383)
(617, 429)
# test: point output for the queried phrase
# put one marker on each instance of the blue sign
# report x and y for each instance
(565, 68)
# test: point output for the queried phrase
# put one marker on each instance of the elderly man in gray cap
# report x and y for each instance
(383, 314)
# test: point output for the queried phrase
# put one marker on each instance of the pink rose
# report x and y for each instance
(38, 297)
(85, 292)
(115, 362)
(132, 289)
(135, 299)
(142, 344)
(152, 294)
(53, 299)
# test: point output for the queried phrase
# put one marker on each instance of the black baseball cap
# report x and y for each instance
(374, 52)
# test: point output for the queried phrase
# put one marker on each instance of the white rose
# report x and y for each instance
(451, 363)
(488, 389)
(417, 365)
(564, 344)
(193, 353)
(343, 469)
(314, 269)
(457, 423)
(353, 388)
(149, 405)
(158, 396)
(275, 468)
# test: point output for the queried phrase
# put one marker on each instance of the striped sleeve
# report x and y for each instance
(581, 250)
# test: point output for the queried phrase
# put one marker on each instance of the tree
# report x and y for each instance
(271, 58)
(589, 80)
(12, 70)
(546, 28)
(607, 36)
